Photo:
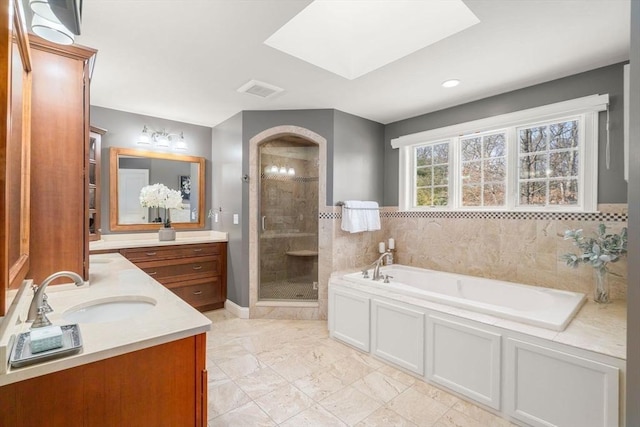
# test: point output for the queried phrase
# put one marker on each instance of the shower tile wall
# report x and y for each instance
(291, 220)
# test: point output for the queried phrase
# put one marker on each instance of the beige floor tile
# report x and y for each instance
(224, 397)
(240, 366)
(370, 361)
(397, 375)
(350, 405)
(315, 416)
(319, 385)
(482, 416)
(435, 393)
(284, 402)
(324, 355)
(418, 408)
(260, 382)
(215, 374)
(294, 368)
(385, 417)
(246, 415)
(379, 386)
(350, 370)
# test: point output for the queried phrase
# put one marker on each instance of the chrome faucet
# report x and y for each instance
(38, 297)
(376, 265)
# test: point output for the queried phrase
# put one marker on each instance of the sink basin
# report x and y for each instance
(109, 309)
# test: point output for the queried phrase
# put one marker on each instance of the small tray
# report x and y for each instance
(21, 353)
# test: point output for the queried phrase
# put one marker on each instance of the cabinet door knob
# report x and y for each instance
(151, 253)
(197, 250)
(197, 267)
(197, 292)
(153, 273)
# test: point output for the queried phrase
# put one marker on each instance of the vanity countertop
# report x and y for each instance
(112, 242)
(601, 328)
(110, 276)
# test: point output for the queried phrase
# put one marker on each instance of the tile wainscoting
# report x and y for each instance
(523, 247)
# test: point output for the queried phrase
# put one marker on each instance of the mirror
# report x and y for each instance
(14, 153)
(130, 170)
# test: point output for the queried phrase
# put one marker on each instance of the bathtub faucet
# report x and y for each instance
(376, 266)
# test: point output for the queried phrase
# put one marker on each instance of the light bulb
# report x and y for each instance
(274, 169)
(162, 140)
(291, 171)
(144, 138)
(283, 170)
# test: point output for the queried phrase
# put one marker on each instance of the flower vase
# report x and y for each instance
(166, 234)
(601, 291)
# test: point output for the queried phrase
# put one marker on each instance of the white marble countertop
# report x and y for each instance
(110, 276)
(137, 240)
(601, 328)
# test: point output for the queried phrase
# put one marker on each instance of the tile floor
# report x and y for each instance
(289, 373)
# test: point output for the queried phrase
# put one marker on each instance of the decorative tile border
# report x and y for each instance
(555, 216)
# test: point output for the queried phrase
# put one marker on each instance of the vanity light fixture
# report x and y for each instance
(162, 139)
(450, 83)
(279, 170)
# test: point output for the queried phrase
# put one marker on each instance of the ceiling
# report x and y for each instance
(184, 59)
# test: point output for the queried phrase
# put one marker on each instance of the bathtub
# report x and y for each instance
(543, 307)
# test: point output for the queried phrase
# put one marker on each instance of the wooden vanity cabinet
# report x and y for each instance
(196, 273)
(59, 144)
(165, 385)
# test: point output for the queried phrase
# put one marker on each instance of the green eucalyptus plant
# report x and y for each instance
(596, 251)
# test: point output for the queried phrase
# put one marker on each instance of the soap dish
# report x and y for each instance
(21, 354)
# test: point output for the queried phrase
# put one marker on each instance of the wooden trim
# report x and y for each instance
(201, 373)
(75, 51)
(114, 152)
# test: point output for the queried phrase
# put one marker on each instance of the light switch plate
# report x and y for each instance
(236, 219)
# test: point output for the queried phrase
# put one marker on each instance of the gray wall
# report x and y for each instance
(355, 158)
(123, 130)
(633, 277)
(226, 194)
(358, 158)
(612, 188)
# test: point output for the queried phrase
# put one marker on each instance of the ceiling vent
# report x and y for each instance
(260, 89)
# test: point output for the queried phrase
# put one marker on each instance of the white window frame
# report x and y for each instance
(586, 109)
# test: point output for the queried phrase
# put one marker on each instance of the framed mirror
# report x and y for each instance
(130, 170)
(14, 151)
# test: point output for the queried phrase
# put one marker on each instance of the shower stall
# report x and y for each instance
(288, 229)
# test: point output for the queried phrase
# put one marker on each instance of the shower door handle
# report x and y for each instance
(264, 218)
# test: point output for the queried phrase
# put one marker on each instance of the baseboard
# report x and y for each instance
(235, 309)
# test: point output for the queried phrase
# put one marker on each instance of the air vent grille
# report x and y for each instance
(261, 89)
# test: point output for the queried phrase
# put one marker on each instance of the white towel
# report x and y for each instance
(354, 219)
(372, 214)
(359, 216)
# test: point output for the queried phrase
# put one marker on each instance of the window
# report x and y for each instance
(539, 159)
(549, 164)
(484, 170)
(432, 174)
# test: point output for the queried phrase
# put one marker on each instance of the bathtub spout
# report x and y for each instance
(376, 264)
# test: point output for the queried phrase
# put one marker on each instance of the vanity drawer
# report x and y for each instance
(182, 269)
(204, 294)
(136, 255)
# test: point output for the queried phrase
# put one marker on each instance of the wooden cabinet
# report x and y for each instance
(93, 182)
(15, 104)
(59, 141)
(165, 385)
(196, 273)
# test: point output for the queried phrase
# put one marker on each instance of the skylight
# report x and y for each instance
(354, 37)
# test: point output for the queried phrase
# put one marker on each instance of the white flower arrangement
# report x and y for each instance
(161, 196)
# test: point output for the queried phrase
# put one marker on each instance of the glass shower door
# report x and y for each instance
(288, 247)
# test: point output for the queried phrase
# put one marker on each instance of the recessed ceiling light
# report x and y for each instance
(451, 83)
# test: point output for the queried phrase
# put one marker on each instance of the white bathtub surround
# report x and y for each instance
(543, 307)
(526, 373)
(111, 277)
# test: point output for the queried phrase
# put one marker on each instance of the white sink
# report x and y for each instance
(109, 309)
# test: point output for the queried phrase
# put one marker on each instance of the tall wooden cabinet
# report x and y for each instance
(59, 144)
